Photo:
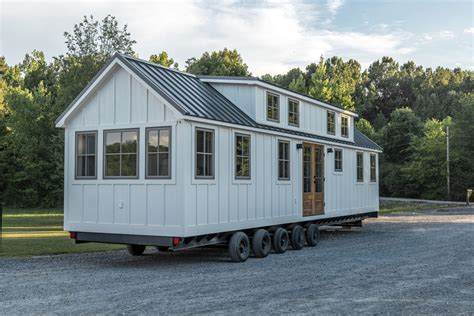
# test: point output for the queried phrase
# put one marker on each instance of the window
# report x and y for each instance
(86, 151)
(338, 160)
(293, 113)
(242, 156)
(373, 168)
(344, 126)
(204, 153)
(158, 153)
(360, 167)
(331, 122)
(283, 160)
(121, 154)
(273, 107)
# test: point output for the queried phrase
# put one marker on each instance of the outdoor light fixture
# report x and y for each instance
(299, 146)
(329, 150)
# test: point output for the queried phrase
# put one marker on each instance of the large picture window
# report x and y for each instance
(121, 153)
(360, 167)
(158, 154)
(283, 160)
(373, 168)
(242, 156)
(86, 155)
(344, 126)
(293, 113)
(204, 154)
(331, 122)
(273, 107)
(338, 160)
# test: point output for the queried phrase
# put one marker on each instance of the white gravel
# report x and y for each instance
(420, 263)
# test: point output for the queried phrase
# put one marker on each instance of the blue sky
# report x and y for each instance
(272, 36)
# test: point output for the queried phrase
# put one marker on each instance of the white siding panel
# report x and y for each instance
(91, 112)
(122, 97)
(75, 203)
(138, 204)
(156, 109)
(107, 102)
(139, 105)
(155, 201)
(121, 204)
(90, 203)
(106, 204)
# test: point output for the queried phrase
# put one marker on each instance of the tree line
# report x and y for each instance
(405, 108)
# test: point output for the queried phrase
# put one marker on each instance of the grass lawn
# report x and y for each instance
(398, 207)
(34, 232)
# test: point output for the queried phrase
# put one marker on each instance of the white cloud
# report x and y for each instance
(334, 5)
(271, 37)
(469, 30)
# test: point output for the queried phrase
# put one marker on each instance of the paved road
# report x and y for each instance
(418, 263)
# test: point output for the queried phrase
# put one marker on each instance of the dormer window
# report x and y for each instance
(273, 107)
(293, 112)
(344, 126)
(331, 122)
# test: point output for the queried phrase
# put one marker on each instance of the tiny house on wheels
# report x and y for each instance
(157, 157)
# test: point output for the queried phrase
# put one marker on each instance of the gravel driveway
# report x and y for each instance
(417, 263)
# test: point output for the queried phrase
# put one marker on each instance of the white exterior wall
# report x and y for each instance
(184, 206)
(149, 206)
(253, 101)
(224, 203)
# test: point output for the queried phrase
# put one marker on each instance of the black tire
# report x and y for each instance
(162, 248)
(297, 237)
(239, 247)
(136, 250)
(280, 240)
(261, 243)
(312, 235)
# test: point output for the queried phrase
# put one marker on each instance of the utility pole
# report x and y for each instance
(447, 161)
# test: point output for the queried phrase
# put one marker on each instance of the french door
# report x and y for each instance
(313, 179)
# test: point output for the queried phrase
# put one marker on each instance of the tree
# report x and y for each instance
(222, 63)
(91, 38)
(366, 128)
(163, 59)
(298, 85)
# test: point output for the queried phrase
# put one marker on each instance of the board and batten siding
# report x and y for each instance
(149, 206)
(225, 203)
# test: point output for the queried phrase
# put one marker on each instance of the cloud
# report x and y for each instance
(334, 5)
(469, 30)
(271, 37)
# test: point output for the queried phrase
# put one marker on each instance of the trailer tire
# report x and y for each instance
(280, 240)
(239, 247)
(297, 237)
(163, 248)
(312, 235)
(261, 243)
(136, 250)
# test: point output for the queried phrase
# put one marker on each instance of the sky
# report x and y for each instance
(272, 36)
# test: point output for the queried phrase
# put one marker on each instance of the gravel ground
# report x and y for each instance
(396, 264)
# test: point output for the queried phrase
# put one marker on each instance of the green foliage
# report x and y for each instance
(163, 59)
(366, 128)
(298, 84)
(222, 63)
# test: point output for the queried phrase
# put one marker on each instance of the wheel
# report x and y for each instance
(297, 237)
(136, 250)
(280, 240)
(162, 248)
(261, 243)
(312, 235)
(239, 247)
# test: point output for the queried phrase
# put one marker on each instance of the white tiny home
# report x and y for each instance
(154, 156)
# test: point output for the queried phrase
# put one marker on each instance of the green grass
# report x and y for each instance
(35, 232)
(399, 207)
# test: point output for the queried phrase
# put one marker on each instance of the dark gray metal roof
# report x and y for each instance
(193, 97)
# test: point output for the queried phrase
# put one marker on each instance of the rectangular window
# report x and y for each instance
(158, 152)
(273, 107)
(86, 152)
(331, 122)
(293, 113)
(121, 153)
(373, 168)
(283, 160)
(360, 167)
(344, 126)
(204, 154)
(338, 160)
(242, 156)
